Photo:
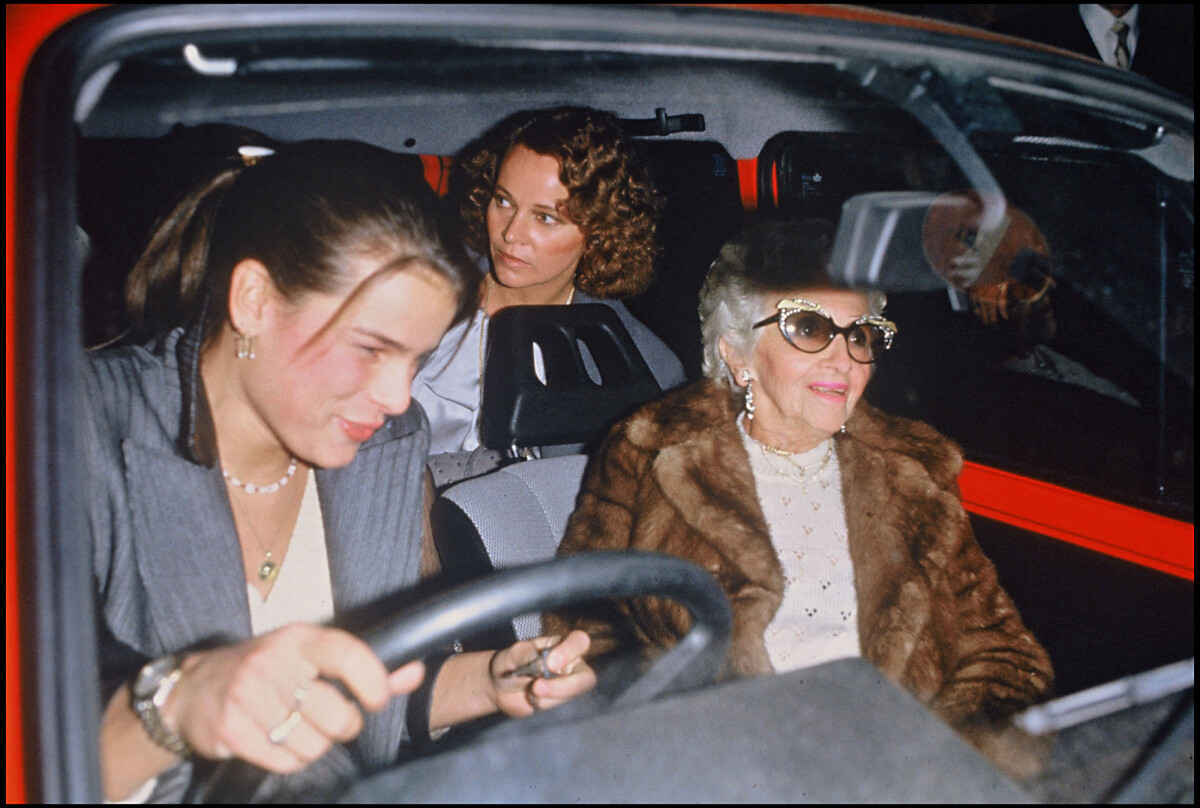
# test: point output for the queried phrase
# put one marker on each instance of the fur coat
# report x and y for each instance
(675, 478)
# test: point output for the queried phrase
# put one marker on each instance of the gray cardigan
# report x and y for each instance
(166, 559)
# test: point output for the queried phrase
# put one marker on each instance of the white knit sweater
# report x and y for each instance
(818, 619)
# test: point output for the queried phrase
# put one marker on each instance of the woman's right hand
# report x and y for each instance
(269, 700)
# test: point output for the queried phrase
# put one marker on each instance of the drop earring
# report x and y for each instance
(243, 346)
(749, 395)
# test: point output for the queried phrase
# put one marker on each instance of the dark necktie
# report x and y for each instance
(1121, 29)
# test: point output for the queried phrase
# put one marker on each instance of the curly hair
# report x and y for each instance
(611, 194)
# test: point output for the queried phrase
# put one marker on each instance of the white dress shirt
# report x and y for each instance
(1099, 22)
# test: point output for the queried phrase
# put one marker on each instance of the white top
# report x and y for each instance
(818, 618)
(1099, 22)
(303, 592)
(448, 387)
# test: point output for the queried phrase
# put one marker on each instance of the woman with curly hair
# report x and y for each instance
(557, 209)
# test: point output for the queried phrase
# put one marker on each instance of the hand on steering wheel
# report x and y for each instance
(554, 584)
(270, 701)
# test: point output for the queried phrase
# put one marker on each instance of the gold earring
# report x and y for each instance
(243, 346)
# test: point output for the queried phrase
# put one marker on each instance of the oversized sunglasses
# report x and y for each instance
(809, 328)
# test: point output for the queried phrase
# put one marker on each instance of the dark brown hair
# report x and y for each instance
(298, 211)
(612, 198)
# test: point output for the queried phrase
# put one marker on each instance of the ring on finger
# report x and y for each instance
(300, 694)
(279, 735)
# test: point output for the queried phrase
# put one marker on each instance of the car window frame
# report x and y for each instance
(45, 345)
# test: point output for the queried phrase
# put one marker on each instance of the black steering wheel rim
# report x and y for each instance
(561, 582)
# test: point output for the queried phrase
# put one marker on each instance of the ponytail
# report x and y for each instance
(166, 285)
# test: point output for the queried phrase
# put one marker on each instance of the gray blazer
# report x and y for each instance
(166, 559)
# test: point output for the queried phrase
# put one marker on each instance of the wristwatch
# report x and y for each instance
(150, 690)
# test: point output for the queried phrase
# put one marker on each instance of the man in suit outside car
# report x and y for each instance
(1156, 40)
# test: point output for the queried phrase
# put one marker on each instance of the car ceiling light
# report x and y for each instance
(205, 66)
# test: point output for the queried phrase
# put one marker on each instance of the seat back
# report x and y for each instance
(703, 210)
(589, 373)
(513, 516)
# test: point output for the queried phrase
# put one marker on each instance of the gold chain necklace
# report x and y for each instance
(268, 570)
(804, 477)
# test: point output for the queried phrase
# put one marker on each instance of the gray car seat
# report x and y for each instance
(546, 411)
(513, 516)
(557, 377)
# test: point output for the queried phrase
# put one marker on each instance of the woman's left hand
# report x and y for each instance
(520, 694)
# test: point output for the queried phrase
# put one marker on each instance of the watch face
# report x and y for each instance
(151, 674)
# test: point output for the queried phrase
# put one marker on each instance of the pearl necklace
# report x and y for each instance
(251, 488)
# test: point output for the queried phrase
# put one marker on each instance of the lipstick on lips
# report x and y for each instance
(835, 392)
(358, 431)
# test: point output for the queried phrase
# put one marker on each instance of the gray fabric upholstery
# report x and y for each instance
(520, 512)
(448, 468)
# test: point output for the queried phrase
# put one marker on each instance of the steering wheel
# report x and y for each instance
(561, 582)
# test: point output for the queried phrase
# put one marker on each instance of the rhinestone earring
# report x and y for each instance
(749, 395)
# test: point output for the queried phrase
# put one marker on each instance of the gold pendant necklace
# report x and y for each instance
(268, 570)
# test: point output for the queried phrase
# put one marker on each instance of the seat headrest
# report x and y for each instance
(559, 375)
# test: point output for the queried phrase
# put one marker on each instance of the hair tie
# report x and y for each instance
(252, 154)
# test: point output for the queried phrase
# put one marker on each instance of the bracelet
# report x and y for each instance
(420, 703)
(150, 690)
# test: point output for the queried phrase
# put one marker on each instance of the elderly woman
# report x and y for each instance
(557, 209)
(835, 530)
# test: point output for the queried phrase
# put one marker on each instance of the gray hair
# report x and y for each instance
(750, 274)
